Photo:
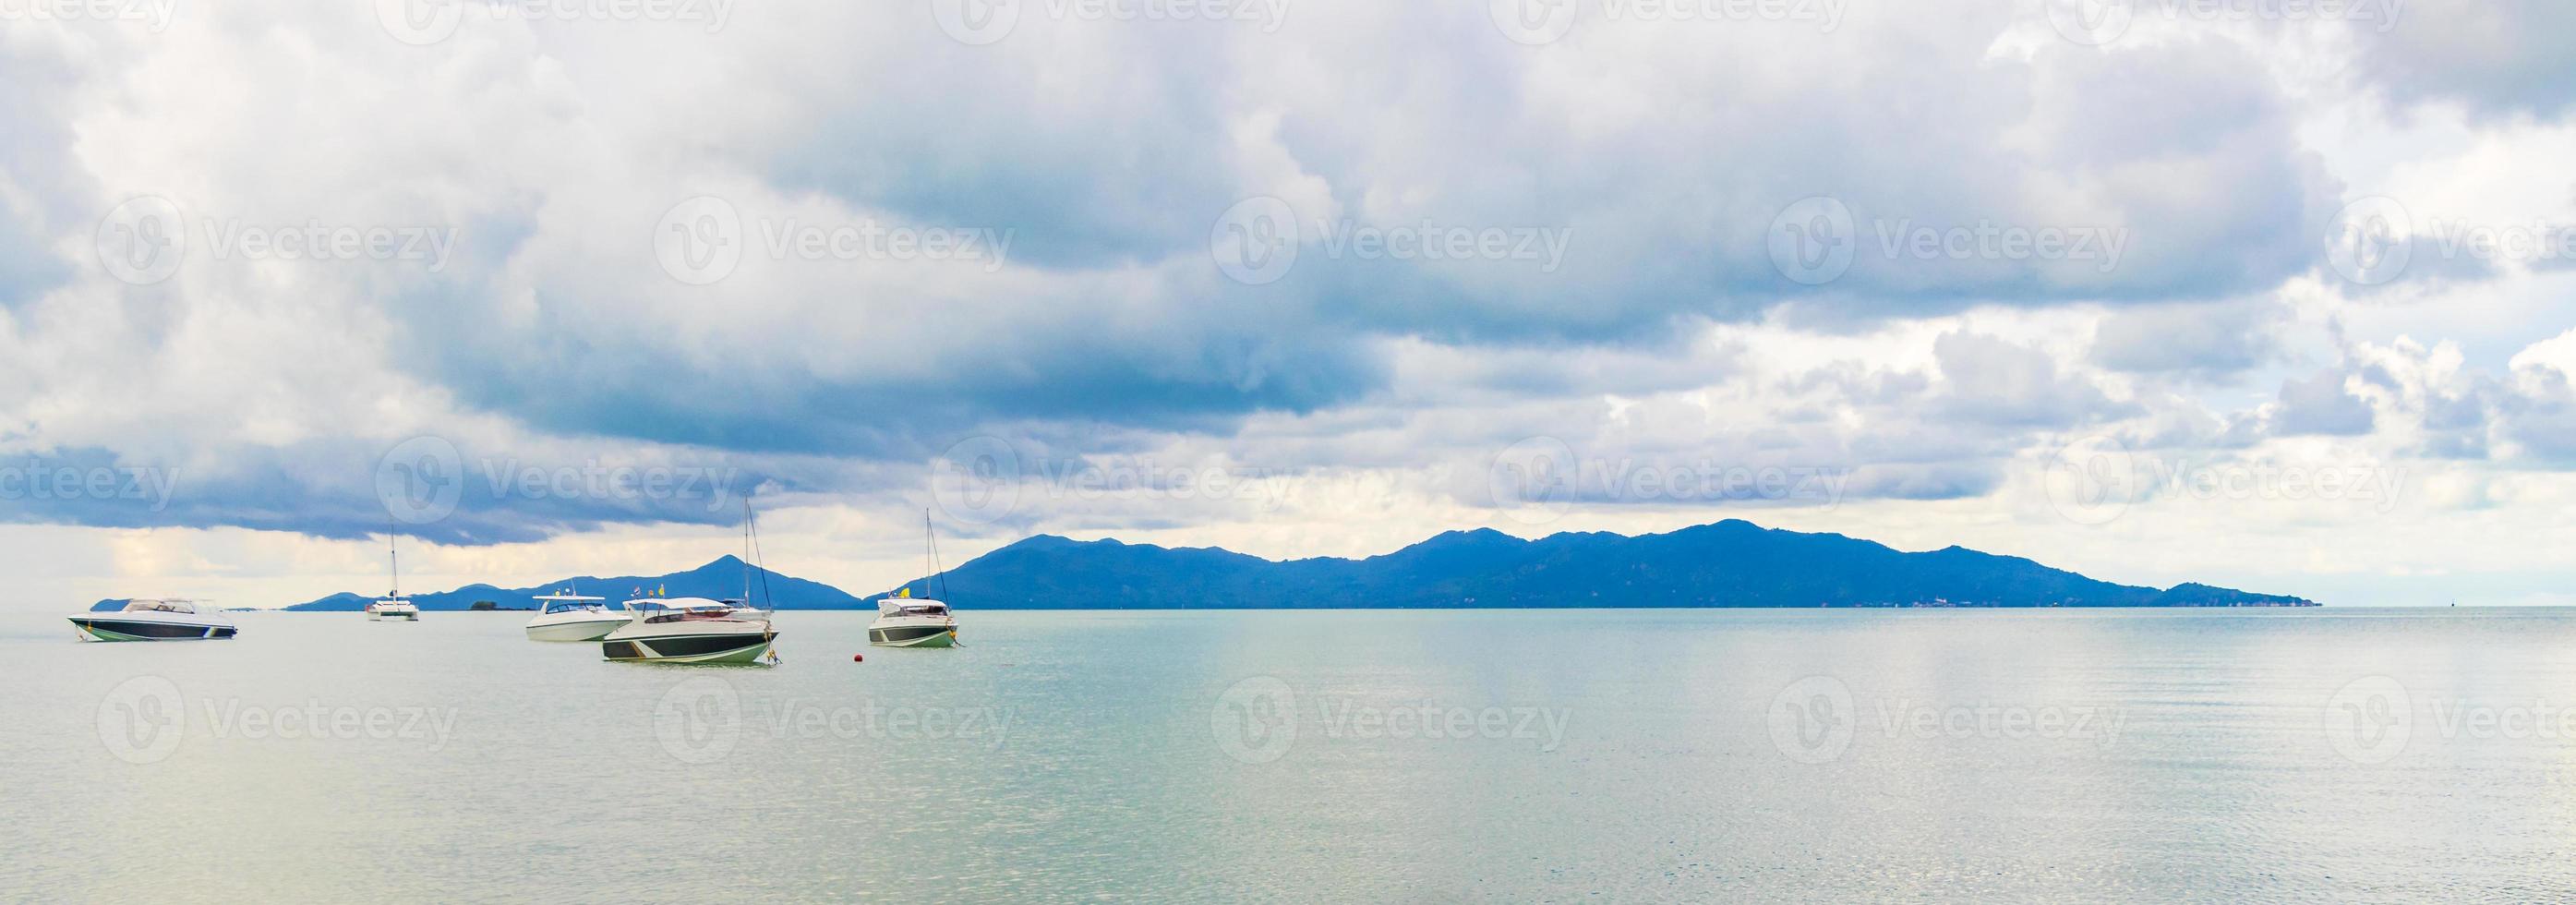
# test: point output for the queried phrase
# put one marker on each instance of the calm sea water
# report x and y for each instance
(1313, 756)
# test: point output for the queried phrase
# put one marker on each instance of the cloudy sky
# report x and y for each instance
(2273, 295)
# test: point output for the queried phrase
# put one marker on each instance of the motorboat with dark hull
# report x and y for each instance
(155, 620)
(687, 630)
(907, 622)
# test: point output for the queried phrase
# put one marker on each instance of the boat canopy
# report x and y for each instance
(910, 606)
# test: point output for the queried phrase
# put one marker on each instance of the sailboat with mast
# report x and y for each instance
(907, 621)
(393, 607)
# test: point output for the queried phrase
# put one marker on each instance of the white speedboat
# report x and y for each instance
(393, 607)
(687, 630)
(154, 620)
(907, 621)
(904, 621)
(572, 617)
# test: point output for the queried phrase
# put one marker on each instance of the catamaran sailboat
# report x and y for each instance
(393, 607)
(907, 621)
(567, 616)
(154, 620)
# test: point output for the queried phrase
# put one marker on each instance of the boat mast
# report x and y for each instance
(393, 566)
(935, 571)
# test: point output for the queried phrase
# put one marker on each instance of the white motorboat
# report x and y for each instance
(571, 617)
(155, 620)
(907, 621)
(697, 629)
(687, 630)
(393, 607)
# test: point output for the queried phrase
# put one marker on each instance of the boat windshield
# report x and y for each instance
(159, 606)
(564, 607)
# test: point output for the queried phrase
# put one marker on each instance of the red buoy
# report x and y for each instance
(858, 658)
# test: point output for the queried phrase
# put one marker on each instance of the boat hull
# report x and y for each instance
(913, 636)
(717, 647)
(574, 631)
(108, 629)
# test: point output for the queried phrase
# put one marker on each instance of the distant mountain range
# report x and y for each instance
(1726, 564)
(719, 579)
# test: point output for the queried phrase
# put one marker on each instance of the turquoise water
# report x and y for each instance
(1314, 756)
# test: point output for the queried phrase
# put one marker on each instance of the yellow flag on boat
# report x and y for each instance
(906, 593)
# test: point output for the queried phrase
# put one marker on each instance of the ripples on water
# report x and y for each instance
(2105, 756)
